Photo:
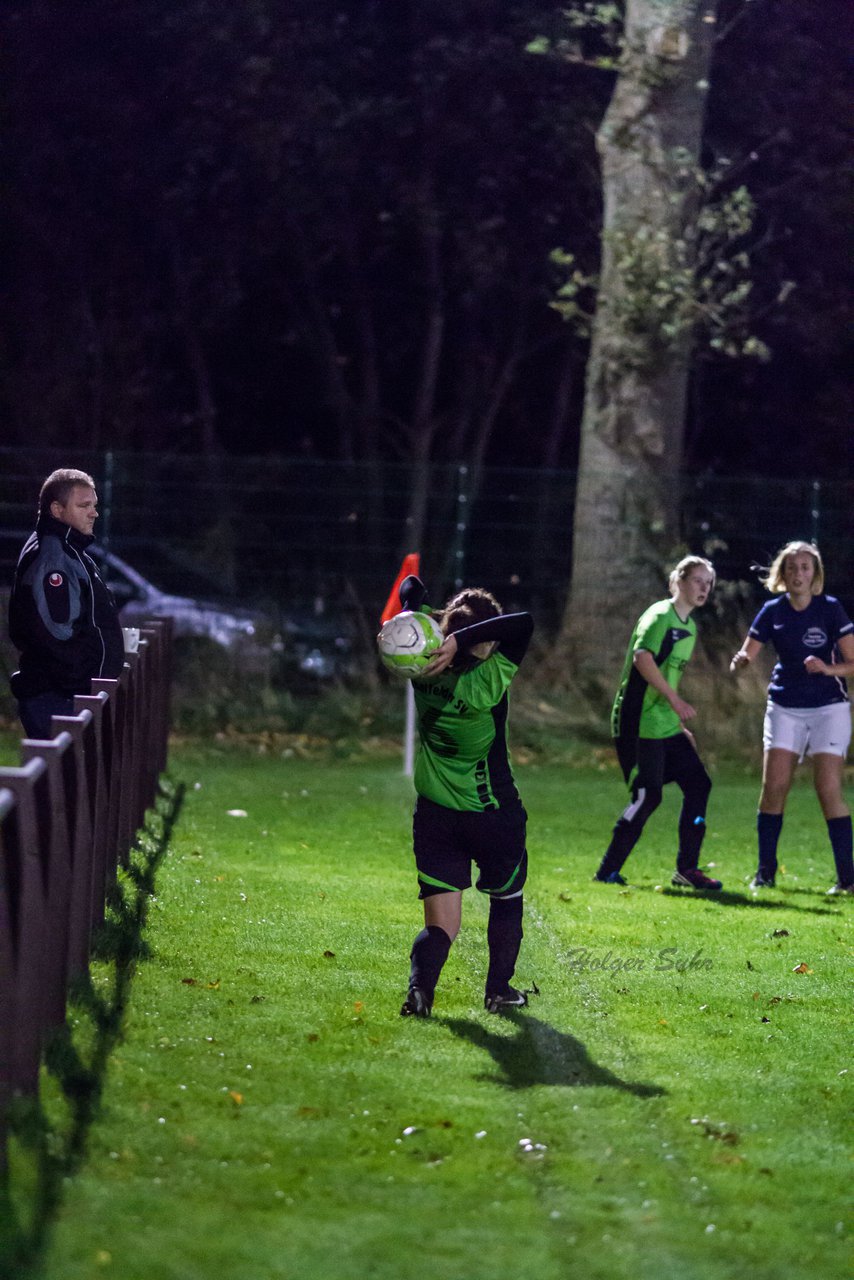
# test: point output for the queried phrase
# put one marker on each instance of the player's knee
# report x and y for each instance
(506, 908)
(652, 799)
(644, 802)
(701, 789)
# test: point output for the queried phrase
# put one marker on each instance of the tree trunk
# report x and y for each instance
(625, 526)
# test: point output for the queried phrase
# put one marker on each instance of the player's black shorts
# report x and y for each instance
(650, 763)
(447, 841)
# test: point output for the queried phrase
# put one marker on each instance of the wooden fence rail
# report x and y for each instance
(68, 818)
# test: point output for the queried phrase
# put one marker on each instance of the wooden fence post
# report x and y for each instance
(55, 839)
(99, 797)
(80, 787)
(25, 871)
(7, 972)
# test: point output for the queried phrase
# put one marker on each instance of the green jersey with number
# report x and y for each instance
(463, 762)
(639, 710)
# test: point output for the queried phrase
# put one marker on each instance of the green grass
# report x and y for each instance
(268, 1114)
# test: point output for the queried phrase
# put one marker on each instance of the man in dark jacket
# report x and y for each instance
(62, 617)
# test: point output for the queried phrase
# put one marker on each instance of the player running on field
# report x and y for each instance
(808, 712)
(468, 809)
(648, 724)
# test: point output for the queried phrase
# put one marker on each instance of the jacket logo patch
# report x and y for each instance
(55, 580)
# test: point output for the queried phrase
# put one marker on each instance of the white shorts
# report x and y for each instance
(808, 731)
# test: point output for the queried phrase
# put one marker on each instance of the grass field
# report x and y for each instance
(674, 1103)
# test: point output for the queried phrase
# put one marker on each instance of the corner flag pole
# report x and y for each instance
(411, 565)
(409, 733)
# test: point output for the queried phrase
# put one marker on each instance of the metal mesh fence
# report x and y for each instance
(310, 535)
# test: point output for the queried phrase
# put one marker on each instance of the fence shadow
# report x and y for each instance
(539, 1054)
(54, 1149)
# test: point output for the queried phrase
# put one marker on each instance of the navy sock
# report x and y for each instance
(429, 953)
(841, 841)
(768, 828)
(504, 935)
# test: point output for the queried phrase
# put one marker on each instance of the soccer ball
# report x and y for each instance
(407, 642)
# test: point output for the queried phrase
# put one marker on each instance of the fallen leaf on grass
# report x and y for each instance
(190, 982)
(780, 933)
(329, 955)
(802, 968)
(236, 1098)
(727, 1157)
(359, 1006)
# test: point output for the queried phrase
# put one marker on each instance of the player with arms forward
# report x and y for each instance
(648, 723)
(808, 712)
(468, 809)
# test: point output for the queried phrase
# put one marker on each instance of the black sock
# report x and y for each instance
(504, 935)
(839, 830)
(768, 828)
(429, 953)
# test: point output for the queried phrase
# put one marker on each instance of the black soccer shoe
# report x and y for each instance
(417, 1004)
(510, 998)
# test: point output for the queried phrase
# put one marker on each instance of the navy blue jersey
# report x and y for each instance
(795, 635)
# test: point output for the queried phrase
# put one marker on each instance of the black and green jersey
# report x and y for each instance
(639, 710)
(463, 761)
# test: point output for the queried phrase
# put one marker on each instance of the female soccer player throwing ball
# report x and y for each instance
(808, 712)
(468, 809)
(648, 723)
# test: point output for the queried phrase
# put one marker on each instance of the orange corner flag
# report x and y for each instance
(411, 564)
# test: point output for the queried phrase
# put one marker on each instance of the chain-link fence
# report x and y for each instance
(316, 545)
(294, 531)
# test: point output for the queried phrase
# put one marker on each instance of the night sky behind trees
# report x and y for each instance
(324, 229)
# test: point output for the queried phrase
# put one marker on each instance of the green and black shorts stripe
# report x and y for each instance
(447, 841)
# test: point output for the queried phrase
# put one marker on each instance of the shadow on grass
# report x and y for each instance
(723, 898)
(538, 1054)
(49, 1151)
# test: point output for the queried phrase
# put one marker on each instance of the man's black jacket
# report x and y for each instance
(62, 617)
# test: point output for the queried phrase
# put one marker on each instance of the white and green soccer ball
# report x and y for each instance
(407, 642)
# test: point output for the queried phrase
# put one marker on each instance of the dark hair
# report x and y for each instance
(58, 487)
(474, 604)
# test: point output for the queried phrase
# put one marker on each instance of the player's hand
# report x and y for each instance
(442, 658)
(739, 660)
(815, 666)
(683, 709)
